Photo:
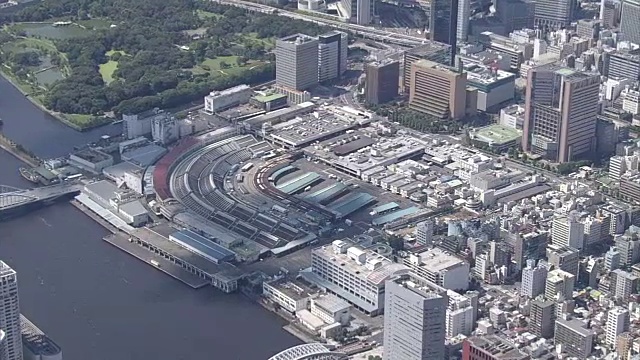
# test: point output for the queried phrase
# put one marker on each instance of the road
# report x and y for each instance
(361, 30)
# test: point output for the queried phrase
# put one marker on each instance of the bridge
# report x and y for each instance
(14, 201)
(366, 32)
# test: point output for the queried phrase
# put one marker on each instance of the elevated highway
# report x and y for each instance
(366, 32)
(15, 202)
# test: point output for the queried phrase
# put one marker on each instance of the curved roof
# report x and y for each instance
(307, 351)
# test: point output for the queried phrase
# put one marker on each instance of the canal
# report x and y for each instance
(98, 302)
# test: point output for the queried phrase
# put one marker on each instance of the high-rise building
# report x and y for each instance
(424, 232)
(627, 245)
(567, 231)
(622, 64)
(553, 14)
(624, 343)
(332, 55)
(414, 309)
(3, 346)
(617, 323)
(609, 13)
(297, 62)
(612, 259)
(382, 81)
(560, 113)
(10, 313)
(515, 14)
(630, 20)
(464, 11)
(574, 337)
(359, 12)
(490, 347)
(559, 284)
(534, 278)
(564, 258)
(542, 316)
(437, 90)
(443, 23)
(526, 246)
(623, 284)
(433, 51)
(460, 315)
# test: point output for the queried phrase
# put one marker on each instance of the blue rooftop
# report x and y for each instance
(386, 207)
(325, 193)
(281, 172)
(394, 216)
(202, 246)
(351, 203)
(299, 183)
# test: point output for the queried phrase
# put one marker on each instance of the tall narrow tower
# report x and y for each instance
(10, 314)
(443, 23)
(414, 320)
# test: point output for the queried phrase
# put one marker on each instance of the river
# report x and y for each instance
(98, 302)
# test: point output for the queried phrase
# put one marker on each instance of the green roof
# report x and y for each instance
(497, 134)
(269, 97)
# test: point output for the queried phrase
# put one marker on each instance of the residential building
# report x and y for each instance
(437, 90)
(460, 315)
(617, 323)
(631, 101)
(559, 284)
(414, 321)
(624, 343)
(623, 284)
(612, 259)
(574, 337)
(382, 81)
(424, 232)
(490, 347)
(432, 51)
(560, 113)
(353, 274)
(297, 62)
(628, 245)
(534, 278)
(542, 317)
(10, 313)
(564, 258)
(630, 20)
(443, 23)
(567, 231)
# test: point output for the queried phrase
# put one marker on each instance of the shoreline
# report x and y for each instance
(44, 109)
(6, 145)
(289, 327)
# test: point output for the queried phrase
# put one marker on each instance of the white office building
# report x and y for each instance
(10, 313)
(354, 274)
(460, 315)
(221, 100)
(440, 268)
(424, 232)
(559, 285)
(534, 278)
(568, 231)
(414, 320)
(617, 323)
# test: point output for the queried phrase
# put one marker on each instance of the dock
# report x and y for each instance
(121, 242)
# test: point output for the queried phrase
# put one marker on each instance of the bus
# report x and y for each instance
(247, 167)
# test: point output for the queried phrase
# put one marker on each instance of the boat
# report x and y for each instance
(29, 174)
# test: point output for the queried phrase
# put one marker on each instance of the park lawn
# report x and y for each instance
(97, 24)
(85, 121)
(214, 65)
(269, 43)
(203, 15)
(107, 69)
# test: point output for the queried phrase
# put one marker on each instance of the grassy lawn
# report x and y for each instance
(213, 67)
(269, 43)
(96, 24)
(207, 15)
(84, 120)
(107, 70)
